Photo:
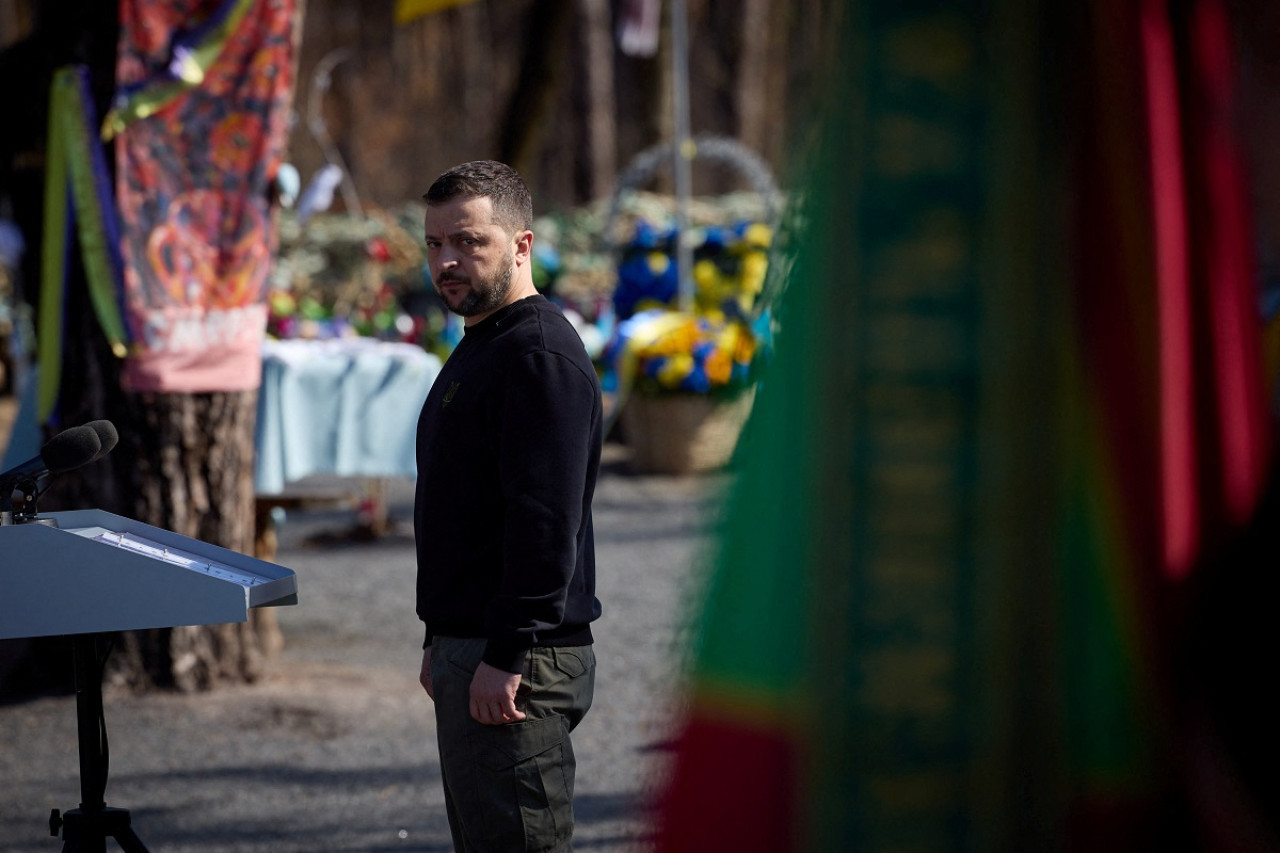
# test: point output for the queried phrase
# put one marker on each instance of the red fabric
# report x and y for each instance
(1232, 324)
(1171, 351)
(1213, 416)
(734, 787)
(1179, 481)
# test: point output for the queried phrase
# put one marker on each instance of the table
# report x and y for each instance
(345, 407)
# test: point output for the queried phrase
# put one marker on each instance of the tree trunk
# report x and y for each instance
(194, 476)
(541, 67)
(601, 123)
(753, 72)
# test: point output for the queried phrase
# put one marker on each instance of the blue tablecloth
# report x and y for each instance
(343, 407)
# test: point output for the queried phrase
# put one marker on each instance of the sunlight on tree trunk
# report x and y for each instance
(601, 125)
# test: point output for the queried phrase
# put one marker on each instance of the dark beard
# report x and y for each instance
(484, 298)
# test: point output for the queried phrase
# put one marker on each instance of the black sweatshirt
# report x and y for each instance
(508, 455)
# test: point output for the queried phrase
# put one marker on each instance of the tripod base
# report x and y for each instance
(87, 830)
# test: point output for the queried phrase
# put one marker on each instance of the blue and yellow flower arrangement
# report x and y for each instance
(729, 267)
(672, 351)
(718, 346)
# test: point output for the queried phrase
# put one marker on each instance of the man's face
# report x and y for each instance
(470, 256)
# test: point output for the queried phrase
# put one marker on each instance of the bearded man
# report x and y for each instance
(508, 450)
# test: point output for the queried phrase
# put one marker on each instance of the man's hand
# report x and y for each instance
(493, 696)
(424, 677)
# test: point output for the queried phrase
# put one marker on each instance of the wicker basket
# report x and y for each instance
(683, 433)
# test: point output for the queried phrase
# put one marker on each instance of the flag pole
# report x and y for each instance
(683, 151)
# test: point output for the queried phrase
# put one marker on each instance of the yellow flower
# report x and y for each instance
(755, 265)
(679, 338)
(658, 262)
(675, 369)
(706, 275)
(757, 235)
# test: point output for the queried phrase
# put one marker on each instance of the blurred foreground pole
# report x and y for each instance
(955, 606)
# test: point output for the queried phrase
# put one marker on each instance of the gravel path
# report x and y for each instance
(335, 749)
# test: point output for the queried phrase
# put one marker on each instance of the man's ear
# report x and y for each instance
(524, 246)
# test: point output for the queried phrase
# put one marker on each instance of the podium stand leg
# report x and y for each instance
(86, 829)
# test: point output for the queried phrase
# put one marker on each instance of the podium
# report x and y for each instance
(86, 573)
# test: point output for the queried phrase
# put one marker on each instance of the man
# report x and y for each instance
(508, 455)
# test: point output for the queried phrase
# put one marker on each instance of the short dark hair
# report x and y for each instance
(501, 184)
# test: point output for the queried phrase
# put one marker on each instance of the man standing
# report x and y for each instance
(508, 454)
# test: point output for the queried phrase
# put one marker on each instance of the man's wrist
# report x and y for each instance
(506, 656)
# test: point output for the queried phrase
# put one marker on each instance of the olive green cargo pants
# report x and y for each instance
(509, 788)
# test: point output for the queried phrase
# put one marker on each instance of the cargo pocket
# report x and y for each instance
(521, 779)
(573, 660)
(576, 680)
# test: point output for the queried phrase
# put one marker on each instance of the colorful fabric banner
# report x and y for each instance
(78, 208)
(193, 53)
(193, 169)
(1016, 415)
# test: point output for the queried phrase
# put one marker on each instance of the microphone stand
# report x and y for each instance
(84, 829)
(24, 512)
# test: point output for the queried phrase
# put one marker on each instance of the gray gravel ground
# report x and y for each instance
(335, 749)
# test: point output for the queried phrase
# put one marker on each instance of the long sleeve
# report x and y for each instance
(547, 447)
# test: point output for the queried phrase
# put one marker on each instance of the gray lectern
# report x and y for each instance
(86, 573)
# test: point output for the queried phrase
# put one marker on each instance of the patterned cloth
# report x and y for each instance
(192, 185)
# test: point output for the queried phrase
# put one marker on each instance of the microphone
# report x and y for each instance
(69, 449)
(106, 432)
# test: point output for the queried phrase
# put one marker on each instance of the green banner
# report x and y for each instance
(77, 202)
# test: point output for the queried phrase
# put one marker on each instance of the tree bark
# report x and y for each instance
(194, 476)
(753, 74)
(601, 123)
(541, 67)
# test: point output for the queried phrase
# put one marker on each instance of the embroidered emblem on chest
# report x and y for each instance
(448, 395)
